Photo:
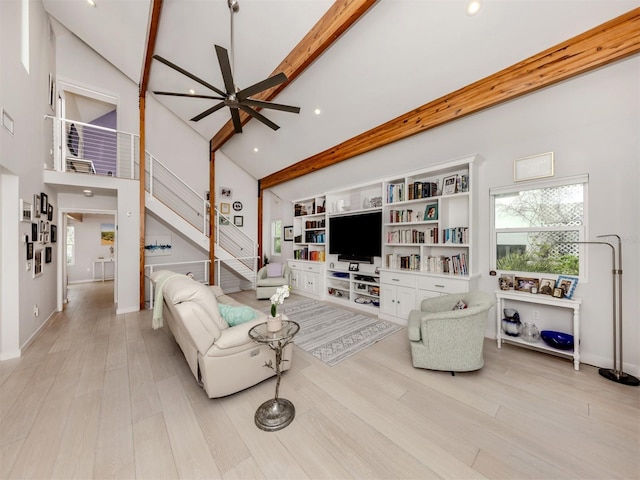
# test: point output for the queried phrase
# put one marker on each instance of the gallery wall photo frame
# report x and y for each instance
(34, 232)
(534, 167)
(44, 203)
(37, 262)
(36, 206)
(238, 220)
(26, 211)
(225, 208)
(288, 233)
(47, 254)
(29, 250)
(54, 234)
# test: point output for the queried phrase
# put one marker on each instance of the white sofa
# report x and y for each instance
(223, 359)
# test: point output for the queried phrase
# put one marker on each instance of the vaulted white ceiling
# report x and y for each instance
(401, 54)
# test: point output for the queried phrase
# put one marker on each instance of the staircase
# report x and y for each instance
(102, 151)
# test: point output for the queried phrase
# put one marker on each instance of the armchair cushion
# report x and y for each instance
(274, 270)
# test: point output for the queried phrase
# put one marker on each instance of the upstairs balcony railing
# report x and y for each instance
(85, 148)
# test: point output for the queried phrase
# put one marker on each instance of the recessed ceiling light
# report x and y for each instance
(192, 91)
(256, 149)
(317, 111)
(91, 2)
(473, 7)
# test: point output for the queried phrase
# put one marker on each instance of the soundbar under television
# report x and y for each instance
(356, 238)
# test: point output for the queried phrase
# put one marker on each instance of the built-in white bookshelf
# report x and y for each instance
(310, 229)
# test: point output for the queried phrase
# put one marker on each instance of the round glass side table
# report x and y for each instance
(277, 413)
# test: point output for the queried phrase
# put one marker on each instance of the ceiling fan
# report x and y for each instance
(234, 98)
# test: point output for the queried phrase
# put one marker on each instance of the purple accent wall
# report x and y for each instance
(100, 146)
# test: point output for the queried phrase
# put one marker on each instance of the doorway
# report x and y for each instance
(89, 250)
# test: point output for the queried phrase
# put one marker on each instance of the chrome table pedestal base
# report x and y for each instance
(275, 414)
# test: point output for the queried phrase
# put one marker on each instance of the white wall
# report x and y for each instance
(24, 96)
(592, 124)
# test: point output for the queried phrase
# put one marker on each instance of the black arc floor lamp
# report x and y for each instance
(615, 374)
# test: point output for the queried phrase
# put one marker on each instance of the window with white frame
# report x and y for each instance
(276, 237)
(71, 245)
(535, 226)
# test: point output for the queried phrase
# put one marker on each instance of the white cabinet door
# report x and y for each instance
(311, 283)
(388, 299)
(295, 280)
(397, 301)
(405, 301)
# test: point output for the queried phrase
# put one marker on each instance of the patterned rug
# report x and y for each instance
(332, 334)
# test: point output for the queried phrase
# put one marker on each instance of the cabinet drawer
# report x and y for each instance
(395, 278)
(444, 285)
(306, 267)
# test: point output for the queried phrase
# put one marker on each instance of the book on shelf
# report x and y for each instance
(395, 192)
(454, 264)
(419, 190)
(412, 235)
(455, 235)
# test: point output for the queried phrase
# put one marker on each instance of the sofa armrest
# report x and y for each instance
(238, 335)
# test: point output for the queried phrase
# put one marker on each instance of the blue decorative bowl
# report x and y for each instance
(559, 340)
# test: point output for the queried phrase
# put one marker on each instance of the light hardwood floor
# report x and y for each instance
(100, 395)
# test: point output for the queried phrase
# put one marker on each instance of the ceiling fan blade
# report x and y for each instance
(190, 75)
(274, 106)
(207, 112)
(260, 86)
(235, 116)
(172, 94)
(225, 68)
(260, 117)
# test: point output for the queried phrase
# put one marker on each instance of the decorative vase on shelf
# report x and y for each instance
(530, 333)
(274, 323)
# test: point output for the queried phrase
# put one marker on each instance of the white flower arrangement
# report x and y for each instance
(278, 298)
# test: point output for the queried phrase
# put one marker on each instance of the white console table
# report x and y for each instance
(101, 262)
(502, 296)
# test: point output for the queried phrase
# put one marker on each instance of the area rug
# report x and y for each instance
(332, 334)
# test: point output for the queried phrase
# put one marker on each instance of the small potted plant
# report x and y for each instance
(274, 322)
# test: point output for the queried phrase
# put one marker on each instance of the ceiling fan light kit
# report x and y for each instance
(233, 97)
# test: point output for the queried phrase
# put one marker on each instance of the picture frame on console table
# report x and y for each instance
(567, 285)
(354, 267)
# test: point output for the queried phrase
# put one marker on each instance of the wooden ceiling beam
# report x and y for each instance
(600, 46)
(340, 16)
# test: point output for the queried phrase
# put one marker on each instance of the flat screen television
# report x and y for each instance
(356, 237)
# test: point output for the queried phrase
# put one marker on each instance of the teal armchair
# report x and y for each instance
(442, 338)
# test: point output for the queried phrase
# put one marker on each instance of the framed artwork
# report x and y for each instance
(26, 211)
(238, 220)
(156, 245)
(50, 213)
(557, 292)
(237, 206)
(546, 286)
(29, 250)
(54, 234)
(44, 203)
(36, 206)
(431, 212)
(225, 208)
(354, 267)
(223, 220)
(34, 232)
(47, 255)
(225, 192)
(107, 234)
(506, 282)
(567, 285)
(288, 233)
(525, 284)
(449, 184)
(529, 168)
(37, 263)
